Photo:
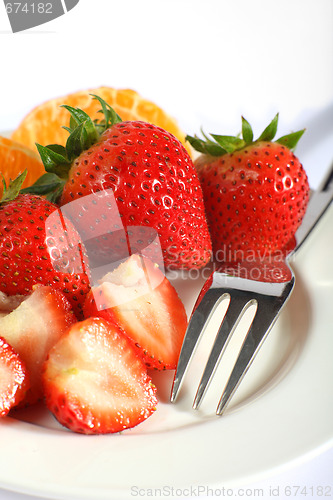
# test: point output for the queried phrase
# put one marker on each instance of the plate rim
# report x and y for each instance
(11, 432)
(208, 438)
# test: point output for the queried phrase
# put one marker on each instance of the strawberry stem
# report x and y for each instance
(11, 191)
(270, 131)
(57, 159)
(48, 185)
(219, 145)
(247, 131)
(291, 140)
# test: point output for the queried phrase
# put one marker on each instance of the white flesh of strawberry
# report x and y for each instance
(31, 329)
(6, 377)
(147, 307)
(146, 312)
(30, 324)
(10, 302)
(134, 277)
(99, 372)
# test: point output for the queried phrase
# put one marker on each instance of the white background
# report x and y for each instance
(205, 62)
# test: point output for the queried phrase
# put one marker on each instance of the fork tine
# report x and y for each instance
(261, 325)
(238, 305)
(199, 319)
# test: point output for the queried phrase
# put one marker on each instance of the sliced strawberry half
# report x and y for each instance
(143, 302)
(14, 378)
(94, 381)
(33, 327)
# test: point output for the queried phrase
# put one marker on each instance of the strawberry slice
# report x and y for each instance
(14, 378)
(94, 381)
(142, 301)
(33, 327)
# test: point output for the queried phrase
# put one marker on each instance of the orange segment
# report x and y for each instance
(44, 123)
(15, 158)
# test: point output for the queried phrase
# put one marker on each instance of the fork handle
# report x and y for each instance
(318, 204)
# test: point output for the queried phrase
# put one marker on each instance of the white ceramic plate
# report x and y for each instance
(281, 414)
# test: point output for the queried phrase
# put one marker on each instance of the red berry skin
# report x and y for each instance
(94, 381)
(255, 200)
(155, 184)
(14, 378)
(37, 246)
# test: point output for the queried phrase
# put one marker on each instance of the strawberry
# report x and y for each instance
(140, 299)
(149, 171)
(33, 327)
(94, 382)
(38, 246)
(14, 378)
(256, 192)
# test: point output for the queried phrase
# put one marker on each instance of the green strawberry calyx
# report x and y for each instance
(219, 145)
(57, 159)
(12, 191)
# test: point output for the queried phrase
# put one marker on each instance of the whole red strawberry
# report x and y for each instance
(255, 192)
(150, 173)
(38, 246)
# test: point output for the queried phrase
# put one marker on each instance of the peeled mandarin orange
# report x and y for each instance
(15, 158)
(44, 123)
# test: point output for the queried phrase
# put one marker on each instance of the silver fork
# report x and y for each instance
(268, 296)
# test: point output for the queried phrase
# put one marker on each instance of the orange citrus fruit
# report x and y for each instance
(44, 123)
(15, 158)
